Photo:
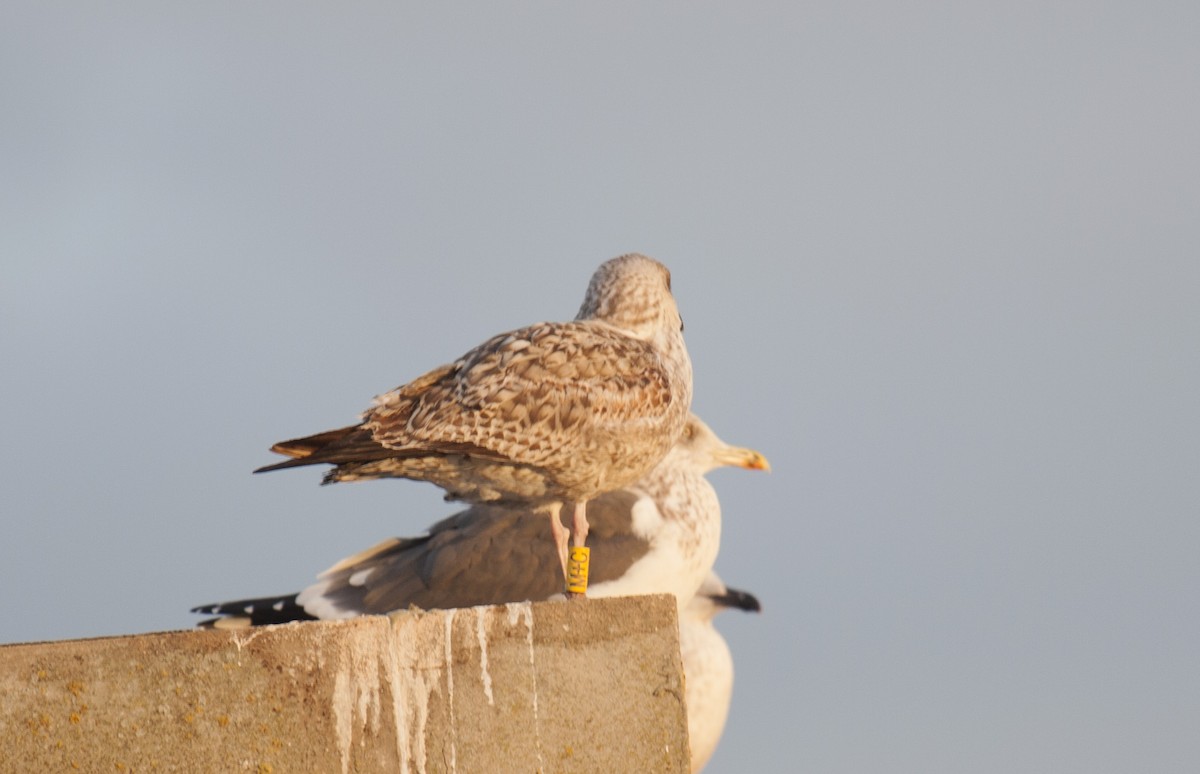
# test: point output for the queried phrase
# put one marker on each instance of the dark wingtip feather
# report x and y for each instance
(742, 600)
(333, 447)
(294, 463)
(260, 611)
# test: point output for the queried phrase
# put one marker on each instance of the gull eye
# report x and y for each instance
(681, 323)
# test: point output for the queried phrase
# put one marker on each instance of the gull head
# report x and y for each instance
(633, 293)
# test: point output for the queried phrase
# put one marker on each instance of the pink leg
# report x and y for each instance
(578, 564)
(561, 536)
(581, 523)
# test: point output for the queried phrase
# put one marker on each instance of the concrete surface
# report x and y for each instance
(593, 686)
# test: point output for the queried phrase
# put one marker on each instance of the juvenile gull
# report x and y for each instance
(707, 664)
(539, 416)
(658, 536)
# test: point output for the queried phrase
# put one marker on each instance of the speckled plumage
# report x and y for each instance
(550, 412)
(539, 416)
(659, 535)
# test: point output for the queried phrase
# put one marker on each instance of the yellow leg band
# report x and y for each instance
(577, 569)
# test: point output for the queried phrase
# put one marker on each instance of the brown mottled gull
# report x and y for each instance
(659, 535)
(538, 416)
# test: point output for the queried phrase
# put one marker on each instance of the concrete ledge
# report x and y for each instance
(595, 686)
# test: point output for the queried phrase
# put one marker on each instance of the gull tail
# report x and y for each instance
(346, 444)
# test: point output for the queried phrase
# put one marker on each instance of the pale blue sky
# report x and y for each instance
(939, 262)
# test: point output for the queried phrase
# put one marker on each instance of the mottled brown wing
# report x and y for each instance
(356, 445)
(529, 395)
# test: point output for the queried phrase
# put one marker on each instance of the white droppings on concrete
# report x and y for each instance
(241, 641)
(391, 664)
(412, 682)
(364, 665)
(481, 635)
(449, 664)
(356, 692)
(343, 717)
(518, 611)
